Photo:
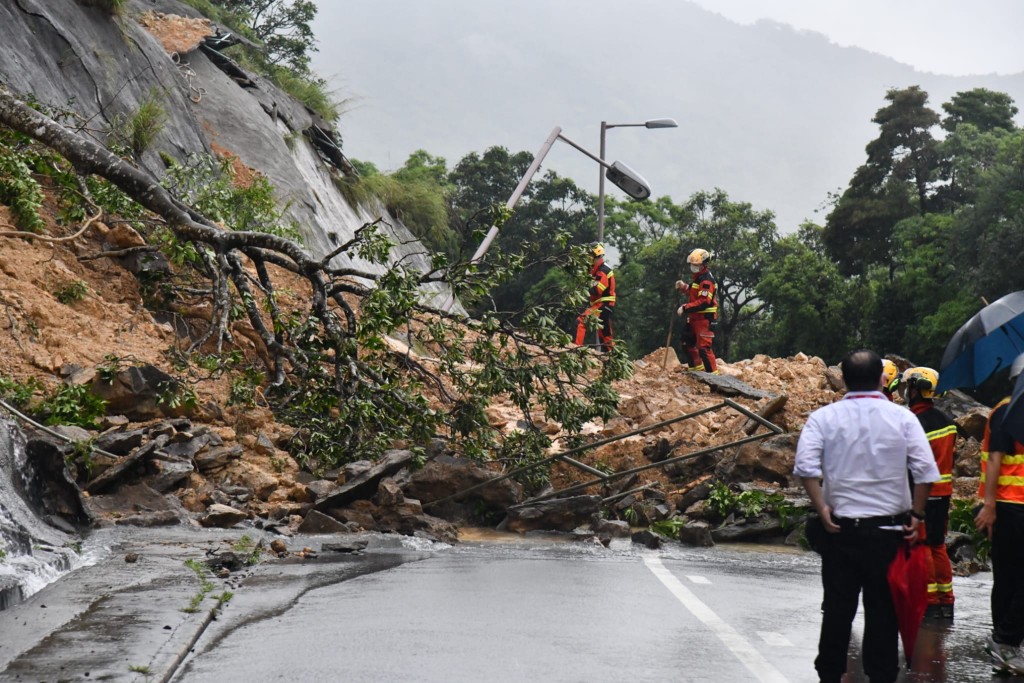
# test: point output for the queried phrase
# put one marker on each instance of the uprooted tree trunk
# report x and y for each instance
(370, 395)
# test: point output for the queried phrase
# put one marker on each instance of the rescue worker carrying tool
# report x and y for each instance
(918, 391)
(701, 312)
(602, 302)
(890, 378)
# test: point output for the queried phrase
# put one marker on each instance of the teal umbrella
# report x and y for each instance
(985, 344)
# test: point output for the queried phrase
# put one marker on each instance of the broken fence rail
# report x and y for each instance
(607, 477)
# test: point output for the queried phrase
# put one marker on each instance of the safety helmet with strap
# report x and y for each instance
(698, 257)
(890, 375)
(924, 380)
(597, 250)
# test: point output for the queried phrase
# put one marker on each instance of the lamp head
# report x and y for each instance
(661, 123)
(628, 180)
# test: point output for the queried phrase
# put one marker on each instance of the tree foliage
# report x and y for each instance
(330, 363)
(283, 26)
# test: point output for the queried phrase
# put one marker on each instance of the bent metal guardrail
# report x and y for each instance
(605, 478)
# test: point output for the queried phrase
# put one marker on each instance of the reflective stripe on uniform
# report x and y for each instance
(939, 433)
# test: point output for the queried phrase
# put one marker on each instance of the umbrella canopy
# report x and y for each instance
(986, 343)
(908, 583)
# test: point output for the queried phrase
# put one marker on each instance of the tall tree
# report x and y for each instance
(985, 109)
(811, 307)
(891, 185)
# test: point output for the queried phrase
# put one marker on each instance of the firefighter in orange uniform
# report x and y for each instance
(602, 302)
(918, 391)
(701, 311)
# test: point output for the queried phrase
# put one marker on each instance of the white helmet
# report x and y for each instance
(1017, 367)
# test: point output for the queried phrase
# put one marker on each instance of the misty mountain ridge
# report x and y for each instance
(776, 116)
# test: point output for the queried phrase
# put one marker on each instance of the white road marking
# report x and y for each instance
(775, 639)
(698, 579)
(757, 665)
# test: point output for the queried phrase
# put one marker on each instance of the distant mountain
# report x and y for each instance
(775, 116)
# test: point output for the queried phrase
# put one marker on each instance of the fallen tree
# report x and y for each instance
(331, 368)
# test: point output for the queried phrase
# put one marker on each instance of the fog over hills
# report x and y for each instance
(775, 116)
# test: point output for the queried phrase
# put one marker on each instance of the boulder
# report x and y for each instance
(769, 460)
(320, 489)
(388, 494)
(560, 514)
(167, 471)
(760, 528)
(364, 485)
(120, 442)
(222, 516)
(972, 423)
(353, 469)
(50, 483)
(215, 458)
(967, 458)
(347, 546)
(613, 528)
(446, 475)
(319, 523)
(696, 533)
(136, 392)
(648, 539)
(135, 505)
(187, 445)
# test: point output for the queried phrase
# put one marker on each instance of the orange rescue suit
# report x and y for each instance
(941, 433)
(602, 305)
(701, 311)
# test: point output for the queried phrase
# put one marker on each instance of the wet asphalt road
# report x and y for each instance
(545, 610)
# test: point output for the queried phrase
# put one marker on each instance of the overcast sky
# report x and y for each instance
(954, 37)
(777, 116)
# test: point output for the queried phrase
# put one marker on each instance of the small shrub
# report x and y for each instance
(19, 190)
(71, 292)
(138, 131)
(73, 405)
(668, 527)
(19, 394)
(961, 519)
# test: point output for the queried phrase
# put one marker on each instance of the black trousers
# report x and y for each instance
(1008, 574)
(856, 561)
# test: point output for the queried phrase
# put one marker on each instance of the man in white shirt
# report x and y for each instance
(853, 458)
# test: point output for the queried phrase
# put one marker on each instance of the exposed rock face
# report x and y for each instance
(109, 68)
(561, 514)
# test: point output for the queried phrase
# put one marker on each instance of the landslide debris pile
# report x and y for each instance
(76, 324)
(211, 463)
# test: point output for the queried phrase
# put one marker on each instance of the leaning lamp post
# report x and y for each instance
(653, 123)
(621, 175)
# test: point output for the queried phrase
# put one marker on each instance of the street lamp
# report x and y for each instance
(621, 175)
(653, 123)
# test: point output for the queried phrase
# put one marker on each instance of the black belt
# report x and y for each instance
(871, 522)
